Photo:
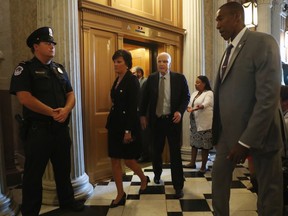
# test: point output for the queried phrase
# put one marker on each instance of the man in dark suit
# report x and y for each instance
(246, 116)
(166, 97)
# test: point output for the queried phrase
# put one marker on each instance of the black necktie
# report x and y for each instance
(225, 62)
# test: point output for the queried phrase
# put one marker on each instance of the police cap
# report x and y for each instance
(43, 34)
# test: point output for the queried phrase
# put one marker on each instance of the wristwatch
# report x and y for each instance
(127, 131)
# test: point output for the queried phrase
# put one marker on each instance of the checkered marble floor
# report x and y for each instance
(159, 200)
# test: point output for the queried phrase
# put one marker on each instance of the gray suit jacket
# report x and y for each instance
(246, 106)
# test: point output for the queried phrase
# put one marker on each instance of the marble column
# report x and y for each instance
(264, 16)
(7, 206)
(193, 57)
(219, 43)
(276, 20)
(62, 16)
(278, 29)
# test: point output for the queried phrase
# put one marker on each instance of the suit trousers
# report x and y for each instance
(221, 180)
(164, 127)
(269, 177)
(46, 141)
(269, 174)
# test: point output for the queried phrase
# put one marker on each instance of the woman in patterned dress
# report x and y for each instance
(201, 113)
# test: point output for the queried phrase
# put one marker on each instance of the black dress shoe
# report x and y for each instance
(178, 194)
(75, 206)
(121, 202)
(141, 191)
(156, 180)
(189, 166)
(202, 171)
(254, 188)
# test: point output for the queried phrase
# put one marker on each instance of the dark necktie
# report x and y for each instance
(225, 62)
(161, 95)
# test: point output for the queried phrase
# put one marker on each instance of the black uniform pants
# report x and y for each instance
(164, 127)
(46, 141)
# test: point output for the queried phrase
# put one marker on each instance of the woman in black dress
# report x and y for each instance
(123, 125)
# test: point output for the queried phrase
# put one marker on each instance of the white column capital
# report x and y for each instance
(264, 16)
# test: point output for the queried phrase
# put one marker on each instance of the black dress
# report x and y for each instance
(124, 116)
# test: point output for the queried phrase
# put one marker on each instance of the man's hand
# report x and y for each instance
(176, 117)
(60, 114)
(143, 122)
(238, 154)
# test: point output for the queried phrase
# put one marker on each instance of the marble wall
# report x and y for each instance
(209, 20)
(17, 20)
(23, 20)
(5, 44)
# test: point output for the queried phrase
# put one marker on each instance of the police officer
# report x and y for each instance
(43, 88)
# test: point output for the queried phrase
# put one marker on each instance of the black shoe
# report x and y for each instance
(156, 180)
(121, 202)
(178, 194)
(75, 206)
(202, 171)
(254, 188)
(189, 166)
(141, 191)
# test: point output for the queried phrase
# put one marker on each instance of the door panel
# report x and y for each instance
(97, 79)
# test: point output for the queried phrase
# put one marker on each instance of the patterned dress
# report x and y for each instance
(199, 139)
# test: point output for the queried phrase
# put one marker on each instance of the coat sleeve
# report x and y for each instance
(267, 92)
(185, 95)
(133, 93)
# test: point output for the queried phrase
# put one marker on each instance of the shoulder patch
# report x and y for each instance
(59, 70)
(18, 71)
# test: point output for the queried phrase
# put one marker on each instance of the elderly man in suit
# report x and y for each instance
(166, 97)
(246, 112)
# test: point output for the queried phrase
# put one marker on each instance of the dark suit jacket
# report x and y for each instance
(124, 112)
(180, 95)
(246, 100)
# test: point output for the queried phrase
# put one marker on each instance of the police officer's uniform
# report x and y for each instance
(44, 138)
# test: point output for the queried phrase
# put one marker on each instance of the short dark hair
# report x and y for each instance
(139, 69)
(126, 56)
(205, 80)
(234, 8)
(284, 93)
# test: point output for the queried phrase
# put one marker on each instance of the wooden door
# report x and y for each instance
(141, 57)
(97, 78)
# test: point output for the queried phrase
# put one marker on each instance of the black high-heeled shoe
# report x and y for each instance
(141, 191)
(122, 201)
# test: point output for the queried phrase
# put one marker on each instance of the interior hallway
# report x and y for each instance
(159, 201)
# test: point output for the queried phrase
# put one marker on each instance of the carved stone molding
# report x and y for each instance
(264, 2)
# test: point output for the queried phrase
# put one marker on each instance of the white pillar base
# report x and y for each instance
(7, 206)
(82, 190)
